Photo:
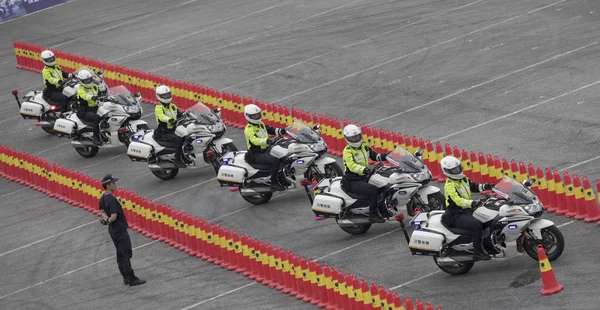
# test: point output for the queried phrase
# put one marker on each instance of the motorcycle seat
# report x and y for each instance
(458, 231)
(260, 166)
(356, 196)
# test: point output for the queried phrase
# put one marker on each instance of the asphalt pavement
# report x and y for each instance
(511, 78)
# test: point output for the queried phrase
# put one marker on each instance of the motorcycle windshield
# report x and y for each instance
(514, 191)
(402, 158)
(302, 132)
(97, 79)
(203, 114)
(121, 95)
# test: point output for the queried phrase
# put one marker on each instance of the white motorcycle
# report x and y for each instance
(120, 113)
(511, 225)
(202, 131)
(46, 112)
(405, 182)
(301, 158)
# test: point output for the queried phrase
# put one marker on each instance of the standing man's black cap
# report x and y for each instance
(109, 179)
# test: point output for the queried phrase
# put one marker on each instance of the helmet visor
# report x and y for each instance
(355, 139)
(456, 170)
(51, 59)
(165, 95)
(87, 81)
(255, 116)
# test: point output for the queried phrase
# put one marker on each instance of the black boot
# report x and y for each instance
(374, 217)
(479, 255)
(133, 281)
(126, 280)
(96, 140)
(276, 186)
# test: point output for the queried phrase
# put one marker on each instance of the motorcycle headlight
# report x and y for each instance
(317, 147)
(533, 208)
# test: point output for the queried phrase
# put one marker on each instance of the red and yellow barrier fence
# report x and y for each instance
(564, 199)
(277, 268)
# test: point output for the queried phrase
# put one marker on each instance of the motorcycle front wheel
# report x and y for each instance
(436, 202)
(553, 242)
(457, 269)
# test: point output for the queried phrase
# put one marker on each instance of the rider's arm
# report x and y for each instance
(351, 164)
(374, 156)
(83, 97)
(49, 78)
(450, 191)
(250, 132)
(65, 75)
(160, 113)
(273, 130)
(476, 187)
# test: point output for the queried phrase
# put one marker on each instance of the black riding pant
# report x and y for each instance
(93, 118)
(124, 252)
(57, 97)
(468, 222)
(264, 158)
(364, 188)
(170, 139)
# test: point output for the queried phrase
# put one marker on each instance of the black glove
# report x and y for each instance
(103, 221)
(71, 75)
(282, 131)
(61, 82)
(488, 187)
(476, 204)
(172, 121)
(95, 98)
(270, 141)
(367, 171)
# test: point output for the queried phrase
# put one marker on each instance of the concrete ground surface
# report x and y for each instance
(511, 78)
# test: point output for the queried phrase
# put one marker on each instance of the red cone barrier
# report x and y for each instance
(569, 196)
(561, 197)
(593, 211)
(553, 206)
(579, 199)
(550, 285)
(440, 154)
(409, 304)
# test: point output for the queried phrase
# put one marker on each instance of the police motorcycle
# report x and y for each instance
(202, 131)
(36, 106)
(511, 225)
(302, 159)
(404, 183)
(120, 113)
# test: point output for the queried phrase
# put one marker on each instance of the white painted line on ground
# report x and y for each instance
(47, 238)
(565, 224)
(10, 118)
(73, 271)
(350, 45)
(199, 31)
(253, 36)
(485, 83)
(22, 90)
(418, 51)
(519, 111)
(219, 296)
(130, 21)
(52, 148)
(12, 193)
(185, 189)
(357, 244)
(579, 164)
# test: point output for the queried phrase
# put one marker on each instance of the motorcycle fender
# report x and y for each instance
(322, 162)
(218, 143)
(537, 225)
(425, 191)
(136, 124)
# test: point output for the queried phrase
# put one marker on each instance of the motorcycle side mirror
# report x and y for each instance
(316, 127)
(138, 96)
(217, 110)
(528, 182)
(100, 72)
(419, 153)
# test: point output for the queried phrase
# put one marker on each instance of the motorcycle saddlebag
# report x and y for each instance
(326, 205)
(231, 175)
(65, 126)
(139, 151)
(425, 243)
(31, 109)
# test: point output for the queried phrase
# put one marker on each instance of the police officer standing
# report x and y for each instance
(113, 216)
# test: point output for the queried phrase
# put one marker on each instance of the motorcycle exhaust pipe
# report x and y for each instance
(453, 260)
(82, 143)
(353, 222)
(162, 166)
(255, 191)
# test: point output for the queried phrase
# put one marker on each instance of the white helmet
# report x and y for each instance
(48, 58)
(86, 78)
(163, 94)
(353, 135)
(452, 167)
(253, 114)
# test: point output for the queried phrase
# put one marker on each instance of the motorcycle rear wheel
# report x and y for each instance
(359, 229)
(165, 174)
(553, 242)
(51, 120)
(457, 269)
(257, 199)
(88, 151)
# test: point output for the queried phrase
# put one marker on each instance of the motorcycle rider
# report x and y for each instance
(356, 161)
(460, 206)
(166, 117)
(87, 95)
(53, 80)
(258, 141)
